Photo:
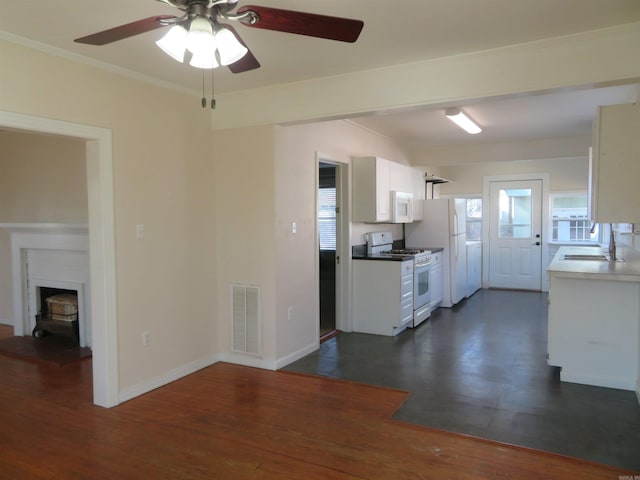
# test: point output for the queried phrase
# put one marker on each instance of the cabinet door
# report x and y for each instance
(615, 165)
(383, 192)
(436, 282)
(370, 190)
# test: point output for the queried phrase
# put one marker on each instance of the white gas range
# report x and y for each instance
(381, 243)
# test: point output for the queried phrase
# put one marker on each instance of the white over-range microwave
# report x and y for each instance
(401, 207)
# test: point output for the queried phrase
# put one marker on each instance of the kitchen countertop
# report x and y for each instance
(626, 271)
(390, 258)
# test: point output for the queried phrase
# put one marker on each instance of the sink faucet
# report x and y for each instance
(612, 243)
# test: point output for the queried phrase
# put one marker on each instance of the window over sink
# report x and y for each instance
(569, 219)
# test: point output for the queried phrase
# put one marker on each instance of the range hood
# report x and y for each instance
(434, 179)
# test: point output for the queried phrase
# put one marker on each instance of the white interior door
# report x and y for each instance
(515, 234)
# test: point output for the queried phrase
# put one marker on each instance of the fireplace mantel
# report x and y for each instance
(63, 238)
(47, 228)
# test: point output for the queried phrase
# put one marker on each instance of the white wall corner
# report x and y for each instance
(292, 357)
(170, 376)
(248, 360)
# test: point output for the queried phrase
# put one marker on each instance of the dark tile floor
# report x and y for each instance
(480, 369)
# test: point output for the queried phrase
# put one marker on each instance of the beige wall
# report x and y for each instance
(42, 179)
(265, 179)
(565, 174)
(296, 148)
(162, 176)
(172, 178)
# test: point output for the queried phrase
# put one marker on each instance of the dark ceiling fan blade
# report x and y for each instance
(246, 63)
(322, 26)
(124, 31)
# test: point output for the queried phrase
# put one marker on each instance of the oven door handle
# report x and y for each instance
(423, 264)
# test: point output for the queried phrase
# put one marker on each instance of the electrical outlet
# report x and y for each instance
(140, 231)
(289, 313)
(146, 338)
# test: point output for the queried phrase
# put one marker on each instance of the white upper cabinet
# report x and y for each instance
(374, 179)
(371, 193)
(614, 168)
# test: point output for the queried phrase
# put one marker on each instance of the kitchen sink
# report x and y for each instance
(595, 257)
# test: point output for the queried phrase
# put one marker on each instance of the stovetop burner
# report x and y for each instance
(407, 251)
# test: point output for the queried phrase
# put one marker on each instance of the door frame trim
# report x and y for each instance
(343, 246)
(486, 219)
(102, 255)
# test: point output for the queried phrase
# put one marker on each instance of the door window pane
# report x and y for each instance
(514, 217)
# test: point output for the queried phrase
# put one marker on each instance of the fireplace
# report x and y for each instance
(58, 314)
(50, 256)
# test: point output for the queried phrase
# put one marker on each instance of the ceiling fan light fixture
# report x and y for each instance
(204, 59)
(200, 37)
(173, 43)
(464, 122)
(230, 49)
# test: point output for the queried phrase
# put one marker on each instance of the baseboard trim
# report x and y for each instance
(638, 391)
(304, 351)
(619, 383)
(6, 321)
(177, 373)
(247, 361)
(265, 364)
(171, 376)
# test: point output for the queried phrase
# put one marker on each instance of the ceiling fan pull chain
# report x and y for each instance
(204, 100)
(213, 100)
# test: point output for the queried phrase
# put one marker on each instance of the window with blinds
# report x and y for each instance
(327, 218)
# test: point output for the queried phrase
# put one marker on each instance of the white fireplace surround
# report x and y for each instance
(57, 257)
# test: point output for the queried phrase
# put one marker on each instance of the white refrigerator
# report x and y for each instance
(444, 225)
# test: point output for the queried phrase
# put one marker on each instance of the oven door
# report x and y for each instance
(421, 288)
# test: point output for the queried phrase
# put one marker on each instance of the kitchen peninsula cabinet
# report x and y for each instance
(594, 316)
(614, 167)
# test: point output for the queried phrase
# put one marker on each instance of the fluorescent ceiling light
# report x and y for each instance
(464, 122)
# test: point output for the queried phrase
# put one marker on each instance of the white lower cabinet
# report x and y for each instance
(435, 280)
(382, 296)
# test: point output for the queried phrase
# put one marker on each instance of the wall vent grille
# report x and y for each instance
(246, 328)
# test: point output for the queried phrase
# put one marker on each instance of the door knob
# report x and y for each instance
(537, 243)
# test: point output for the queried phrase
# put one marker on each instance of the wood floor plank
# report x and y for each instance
(233, 422)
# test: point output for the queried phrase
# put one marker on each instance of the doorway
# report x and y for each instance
(515, 234)
(327, 238)
(101, 241)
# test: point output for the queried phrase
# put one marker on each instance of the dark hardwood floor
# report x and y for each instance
(233, 422)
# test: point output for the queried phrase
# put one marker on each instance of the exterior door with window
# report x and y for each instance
(515, 234)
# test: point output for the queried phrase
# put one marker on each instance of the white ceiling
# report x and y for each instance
(394, 33)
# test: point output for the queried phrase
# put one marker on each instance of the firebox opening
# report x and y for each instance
(46, 292)
(57, 313)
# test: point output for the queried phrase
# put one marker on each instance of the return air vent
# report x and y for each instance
(246, 319)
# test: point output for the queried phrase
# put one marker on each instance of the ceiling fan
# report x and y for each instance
(211, 43)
